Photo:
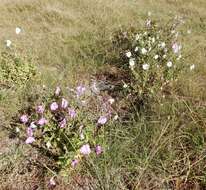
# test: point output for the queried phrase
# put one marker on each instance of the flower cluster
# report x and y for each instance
(150, 59)
(66, 128)
(153, 52)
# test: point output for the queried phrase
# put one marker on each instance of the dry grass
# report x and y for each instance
(57, 32)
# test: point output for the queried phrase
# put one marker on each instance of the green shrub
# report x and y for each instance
(15, 69)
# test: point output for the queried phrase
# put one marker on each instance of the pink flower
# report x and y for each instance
(30, 140)
(29, 132)
(72, 113)
(40, 109)
(54, 106)
(57, 91)
(74, 163)
(85, 149)
(80, 90)
(24, 119)
(64, 103)
(63, 123)
(98, 149)
(42, 121)
(102, 120)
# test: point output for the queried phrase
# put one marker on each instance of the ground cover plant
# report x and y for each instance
(67, 129)
(102, 95)
(15, 70)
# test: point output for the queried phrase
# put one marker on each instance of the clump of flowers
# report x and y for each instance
(149, 58)
(65, 127)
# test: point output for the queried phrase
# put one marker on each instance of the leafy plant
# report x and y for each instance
(148, 58)
(15, 69)
(68, 130)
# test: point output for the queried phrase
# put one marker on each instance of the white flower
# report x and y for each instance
(32, 125)
(81, 136)
(8, 43)
(136, 49)
(153, 40)
(48, 144)
(137, 37)
(192, 67)
(116, 117)
(173, 31)
(128, 54)
(156, 56)
(164, 56)
(179, 57)
(17, 130)
(145, 66)
(163, 44)
(148, 23)
(132, 62)
(111, 100)
(169, 64)
(125, 85)
(144, 51)
(18, 30)
(189, 31)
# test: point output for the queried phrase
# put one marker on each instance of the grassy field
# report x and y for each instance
(162, 149)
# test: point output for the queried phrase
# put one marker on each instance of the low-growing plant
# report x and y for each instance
(67, 128)
(15, 69)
